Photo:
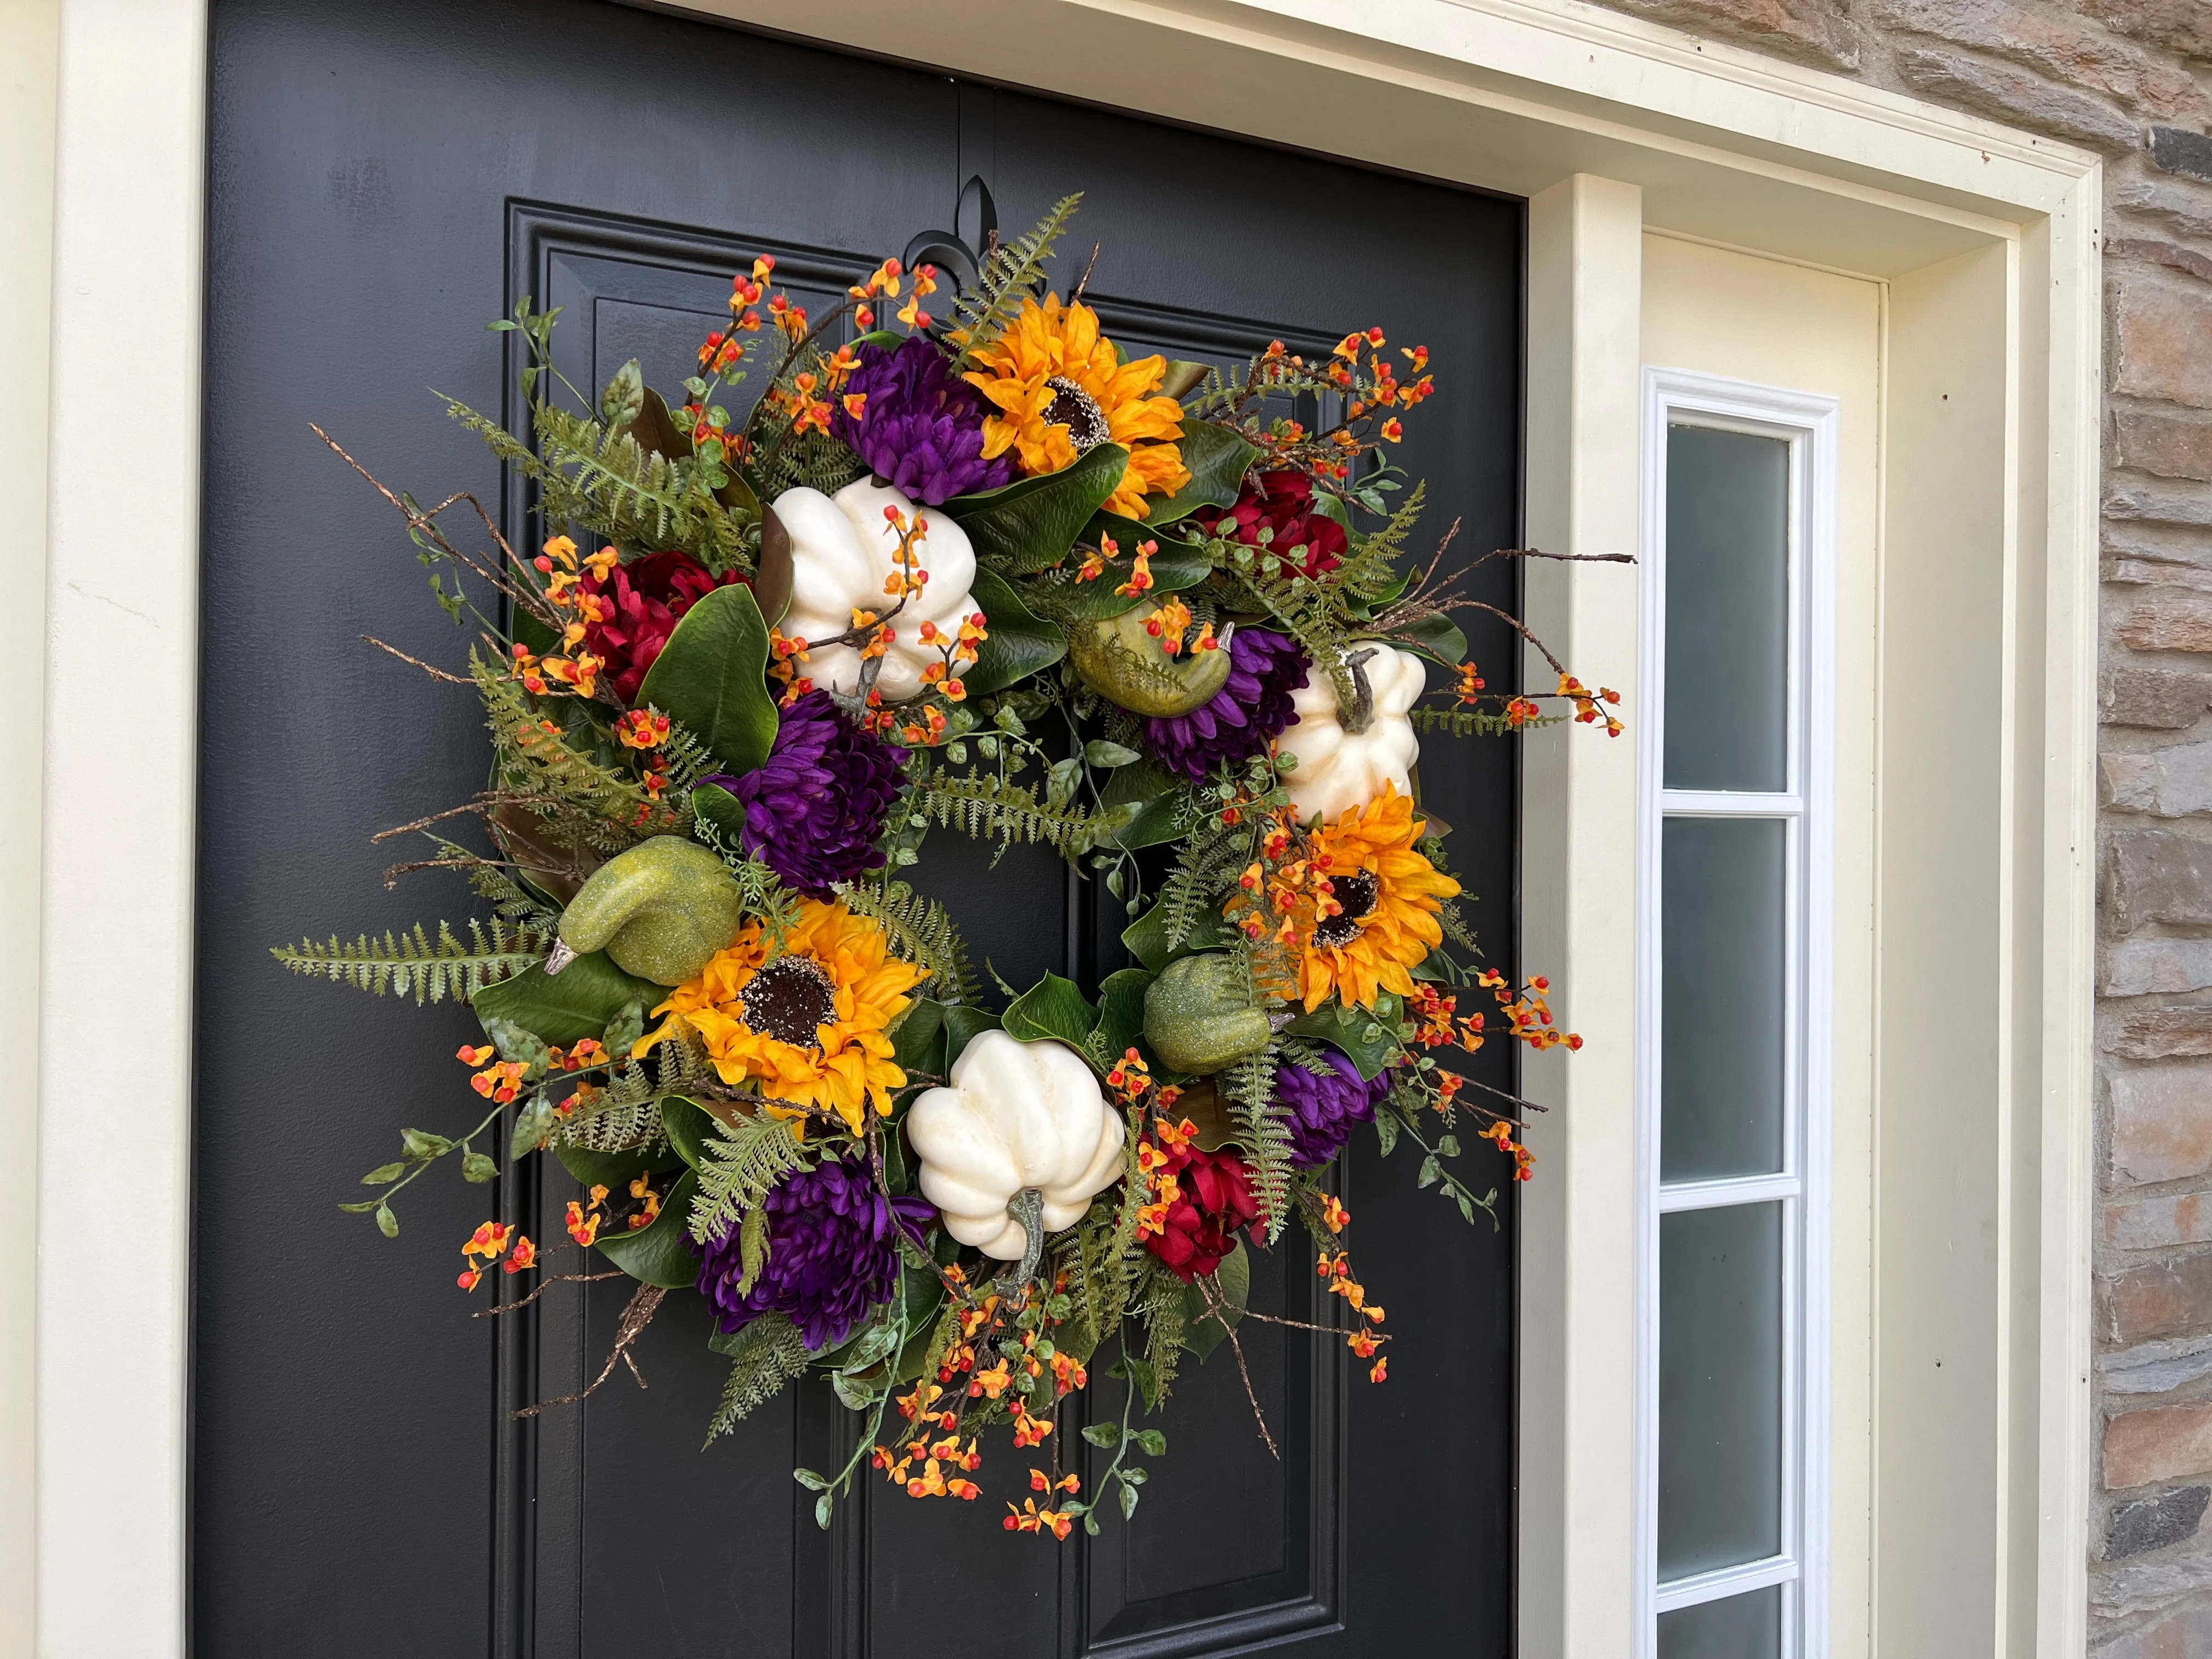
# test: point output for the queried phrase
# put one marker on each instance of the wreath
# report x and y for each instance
(987, 574)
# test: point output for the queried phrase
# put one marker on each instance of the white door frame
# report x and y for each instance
(1988, 239)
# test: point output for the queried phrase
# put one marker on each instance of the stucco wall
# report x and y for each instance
(2131, 79)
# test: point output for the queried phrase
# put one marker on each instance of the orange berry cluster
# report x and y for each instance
(491, 1241)
(579, 607)
(1335, 1266)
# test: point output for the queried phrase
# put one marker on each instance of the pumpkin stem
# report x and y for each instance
(1361, 714)
(563, 954)
(1026, 1207)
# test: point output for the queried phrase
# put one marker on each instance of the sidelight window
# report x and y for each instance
(1736, 850)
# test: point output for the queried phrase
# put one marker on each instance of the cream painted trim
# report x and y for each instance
(1520, 95)
(122, 714)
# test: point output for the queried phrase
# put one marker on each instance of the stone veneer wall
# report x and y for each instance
(2132, 80)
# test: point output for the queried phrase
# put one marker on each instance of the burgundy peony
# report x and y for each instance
(643, 600)
(1322, 1110)
(832, 1254)
(921, 428)
(1301, 541)
(1213, 1200)
(1242, 718)
(816, 806)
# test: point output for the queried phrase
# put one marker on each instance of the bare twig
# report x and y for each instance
(544, 1285)
(1214, 1307)
(435, 673)
(1557, 558)
(636, 1315)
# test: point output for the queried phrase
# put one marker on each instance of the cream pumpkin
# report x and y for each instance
(1016, 1116)
(1340, 769)
(843, 552)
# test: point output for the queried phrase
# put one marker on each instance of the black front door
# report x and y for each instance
(385, 179)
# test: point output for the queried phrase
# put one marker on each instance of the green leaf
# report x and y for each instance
(1437, 638)
(1121, 1011)
(1431, 1172)
(689, 1127)
(1019, 643)
(1218, 459)
(1173, 568)
(821, 1511)
(387, 1223)
(1155, 1443)
(1386, 1132)
(1158, 820)
(580, 1001)
(624, 397)
(1101, 753)
(615, 1170)
(711, 679)
(1054, 1007)
(1030, 525)
(478, 1169)
(720, 809)
(1148, 937)
(382, 1174)
(363, 1208)
(531, 1125)
(1105, 1435)
(1128, 1500)
(914, 1045)
(1147, 780)
(661, 1253)
(1366, 1039)
(962, 1022)
(812, 1481)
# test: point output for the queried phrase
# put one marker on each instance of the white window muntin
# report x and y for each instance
(1807, 422)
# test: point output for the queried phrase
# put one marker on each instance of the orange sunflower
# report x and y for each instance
(1389, 897)
(811, 1026)
(1059, 388)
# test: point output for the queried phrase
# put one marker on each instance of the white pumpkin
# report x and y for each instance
(843, 552)
(1340, 770)
(1017, 1115)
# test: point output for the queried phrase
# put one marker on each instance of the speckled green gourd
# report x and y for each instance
(1196, 1016)
(1120, 661)
(661, 910)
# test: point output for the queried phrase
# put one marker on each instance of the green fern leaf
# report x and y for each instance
(981, 317)
(412, 962)
(763, 1356)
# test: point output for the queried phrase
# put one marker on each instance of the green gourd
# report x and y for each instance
(1199, 1016)
(661, 910)
(1121, 660)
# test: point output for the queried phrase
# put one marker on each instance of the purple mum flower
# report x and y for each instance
(814, 809)
(832, 1254)
(921, 429)
(1323, 1109)
(1243, 717)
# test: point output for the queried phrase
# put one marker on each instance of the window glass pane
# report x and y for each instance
(1720, 1387)
(1742, 1628)
(1727, 608)
(1721, 987)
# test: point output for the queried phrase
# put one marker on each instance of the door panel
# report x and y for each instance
(383, 186)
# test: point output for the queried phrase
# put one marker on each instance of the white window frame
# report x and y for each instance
(1809, 423)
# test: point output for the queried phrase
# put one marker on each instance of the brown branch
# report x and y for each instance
(636, 1315)
(1213, 1305)
(435, 673)
(1558, 558)
(544, 1285)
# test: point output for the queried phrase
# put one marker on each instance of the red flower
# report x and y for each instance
(643, 600)
(1308, 543)
(1214, 1200)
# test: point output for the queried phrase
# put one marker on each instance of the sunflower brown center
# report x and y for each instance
(1079, 411)
(788, 999)
(1357, 893)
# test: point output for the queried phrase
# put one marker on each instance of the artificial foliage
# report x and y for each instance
(880, 576)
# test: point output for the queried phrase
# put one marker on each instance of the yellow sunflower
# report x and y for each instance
(1390, 895)
(1059, 388)
(809, 1027)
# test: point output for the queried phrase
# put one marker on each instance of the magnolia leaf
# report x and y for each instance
(1148, 937)
(962, 1022)
(659, 1254)
(1018, 642)
(1435, 637)
(914, 1045)
(1366, 1039)
(1052, 1008)
(689, 1128)
(580, 1001)
(1159, 820)
(1120, 1013)
(1218, 459)
(614, 1170)
(1030, 525)
(711, 679)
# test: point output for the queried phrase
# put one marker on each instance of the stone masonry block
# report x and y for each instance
(2152, 1523)
(2153, 1223)
(2147, 697)
(1796, 28)
(2162, 1125)
(2160, 503)
(2181, 25)
(2170, 783)
(2161, 1299)
(2164, 1034)
(2178, 150)
(2158, 1444)
(2187, 208)
(2154, 875)
(2143, 967)
(2016, 97)
(2185, 1634)
(2171, 619)
(2085, 57)
(2161, 327)
(2170, 446)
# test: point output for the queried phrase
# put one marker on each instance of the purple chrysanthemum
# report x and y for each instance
(921, 428)
(832, 1254)
(814, 809)
(1323, 1109)
(1243, 717)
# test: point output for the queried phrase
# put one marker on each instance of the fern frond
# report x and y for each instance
(763, 1356)
(989, 808)
(1371, 569)
(591, 804)
(921, 930)
(1471, 722)
(689, 759)
(512, 902)
(1163, 1312)
(411, 962)
(1200, 868)
(738, 1167)
(978, 319)
(1249, 1085)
